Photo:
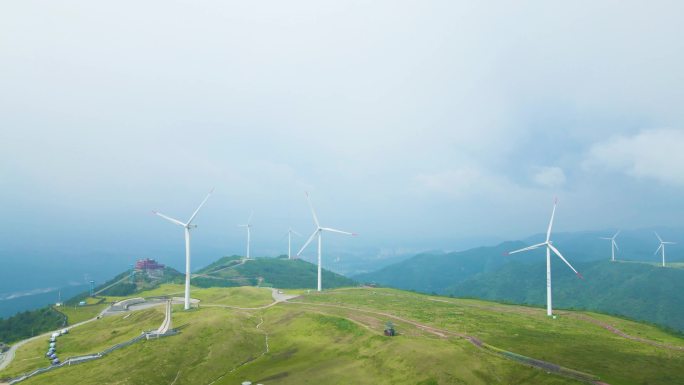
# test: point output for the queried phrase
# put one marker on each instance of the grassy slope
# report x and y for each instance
(639, 291)
(76, 314)
(277, 272)
(434, 272)
(90, 338)
(314, 342)
(566, 341)
(29, 323)
(244, 296)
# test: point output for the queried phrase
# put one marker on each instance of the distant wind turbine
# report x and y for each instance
(248, 226)
(186, 226)
(289, 241)
(549, 248)
(613, 245)
(319, 230)
(662, 246)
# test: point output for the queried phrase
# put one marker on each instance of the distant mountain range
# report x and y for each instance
(635, 290)
(639, 290)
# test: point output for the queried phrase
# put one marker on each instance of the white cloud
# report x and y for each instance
(550, 177)
(654, 154)
(458, 181)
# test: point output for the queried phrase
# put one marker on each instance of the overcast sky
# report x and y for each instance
(416, 124)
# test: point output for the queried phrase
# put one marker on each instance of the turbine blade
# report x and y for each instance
(660, 239)
(548, 232)
(307, 242)
(609, 239)
(526, 248)
(564, 260)
(670, 243)
(616, 246)
(176, 221)
(295, 233)
(616, 234)
(313, 212)
(658, 249)
(200, 206)
(337, 231)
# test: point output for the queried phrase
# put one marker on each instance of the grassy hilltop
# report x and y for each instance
(335, 337)
(277, 272)
(638, 290)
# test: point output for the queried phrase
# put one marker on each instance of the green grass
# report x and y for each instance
(335, 337)
(76, 314)
(89, 338)
(566, 341)
(212, 342)
(276, 272)
(244, 296)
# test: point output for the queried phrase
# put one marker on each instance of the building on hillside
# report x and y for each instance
(148, 264)
(150, 267)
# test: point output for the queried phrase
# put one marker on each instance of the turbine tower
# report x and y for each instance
(317, 233)
(248, 226)
(186, 226)
(549, 248)
(289, 241)
(662, 247)
(613, 245)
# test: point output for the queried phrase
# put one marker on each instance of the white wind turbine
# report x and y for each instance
(613, 245)
(186, 226)
(289, 241)
(248, 226)
(319, 230)
(662, 246)
(549, 248)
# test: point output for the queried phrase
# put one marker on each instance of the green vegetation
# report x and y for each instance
(568, 341)
(430, 273)
(639, 291)
(276, 272)
(211, 342)
(243, 296)
(122, 285)
(30, 323)
(335, 337)
(76, 314)
(92, 337)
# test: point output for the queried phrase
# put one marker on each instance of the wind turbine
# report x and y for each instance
(186, 226)
(289, 241)
(549, 248)
(318, 232)
(249, 227)
(662, 247)
(613, 245)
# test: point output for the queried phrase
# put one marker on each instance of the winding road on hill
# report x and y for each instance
(543, 365)
(7, 357)
(280, 297)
